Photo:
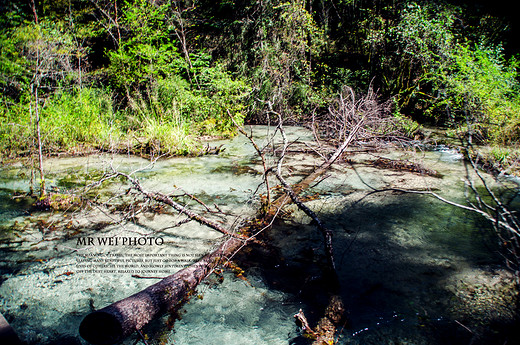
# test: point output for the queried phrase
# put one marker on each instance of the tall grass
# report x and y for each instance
(16, 135)
(170, 114)
(84, 116)
(167, 117)
(67, 119)
(204, 107)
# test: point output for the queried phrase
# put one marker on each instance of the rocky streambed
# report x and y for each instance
(412, 269)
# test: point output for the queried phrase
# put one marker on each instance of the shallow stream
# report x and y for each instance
(412, 270)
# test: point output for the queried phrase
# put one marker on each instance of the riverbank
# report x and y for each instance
(493, 158)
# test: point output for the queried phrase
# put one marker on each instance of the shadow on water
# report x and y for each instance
(401, 260)
(398, 258)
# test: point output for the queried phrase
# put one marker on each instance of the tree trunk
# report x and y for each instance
(33, 8)
(112, 324)
(40, 155)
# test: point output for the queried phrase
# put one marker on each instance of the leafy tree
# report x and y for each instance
(146, 51)
(273, 43)
(481, 87)
(426, 60)
(284, 57)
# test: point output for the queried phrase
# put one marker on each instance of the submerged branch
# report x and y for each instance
(162, 198)
(260, 153)
(113, 323)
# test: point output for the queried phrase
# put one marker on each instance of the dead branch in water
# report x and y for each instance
(351, 117)
(401, 165)
(326, 329)
(118, 320)
(482, 200)
(348, 110)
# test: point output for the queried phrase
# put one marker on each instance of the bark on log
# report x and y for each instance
(113, 323)
(7, 334)
(326, 329)
(329, 323)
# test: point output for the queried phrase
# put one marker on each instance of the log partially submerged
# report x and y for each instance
(113, 323)
(7, 334)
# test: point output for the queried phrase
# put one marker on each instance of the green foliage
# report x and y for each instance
(68, 119)
(15, 128)
(13, 66)
(82, 116)
(146, 51)
(170, 65)
(16, 67)
(424, 34)
(276, 52)
(435, 72)
(203, 109)
(42, 56)
(404, 124)
(166, 137)
(481, 87)
(12, 14)
(503, 155)
(36, 60)
(221, 94)
(415, 46)
(153, 120)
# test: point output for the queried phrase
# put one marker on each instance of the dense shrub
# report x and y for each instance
(67, 119)
(437, 73)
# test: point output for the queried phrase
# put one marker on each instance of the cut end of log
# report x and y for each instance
(100, 328)
(7, 334)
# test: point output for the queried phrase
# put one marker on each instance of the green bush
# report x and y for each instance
(164, 137)
(169, 115)
(221, 93)
(203, 108)
(436, 73)
(16, 131)
(67, 119)
(481, 87)
(81, 116)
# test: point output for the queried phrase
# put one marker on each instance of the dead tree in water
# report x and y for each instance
(112, 324)
(334, 313)
(118, 320)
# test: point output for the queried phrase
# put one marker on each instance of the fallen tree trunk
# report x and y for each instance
(7, 333)
(333, 316)
(113, 323)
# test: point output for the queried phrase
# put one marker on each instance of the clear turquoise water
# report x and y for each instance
(406, 262)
